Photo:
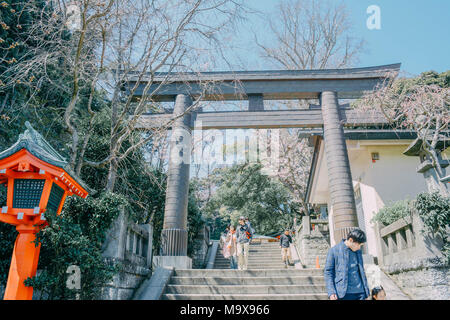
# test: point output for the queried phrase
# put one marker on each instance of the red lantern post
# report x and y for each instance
(37, 179)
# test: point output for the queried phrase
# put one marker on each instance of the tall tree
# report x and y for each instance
(306, 34)
(244, 190)
(421, 104)
(311, 34)
(110, 43)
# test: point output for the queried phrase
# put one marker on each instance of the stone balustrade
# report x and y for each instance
(128, 245)
(402, 242)
(413, 259)
(137, 248)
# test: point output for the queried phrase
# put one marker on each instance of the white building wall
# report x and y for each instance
(391, 178)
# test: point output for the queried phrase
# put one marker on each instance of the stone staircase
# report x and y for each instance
(265, 255)
(265, 279)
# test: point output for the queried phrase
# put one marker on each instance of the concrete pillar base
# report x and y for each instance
(178, 262)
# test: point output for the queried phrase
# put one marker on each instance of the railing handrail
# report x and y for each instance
(395, 226)
(319, 221)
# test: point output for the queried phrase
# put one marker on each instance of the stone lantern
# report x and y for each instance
(36, 178)
(427, 168)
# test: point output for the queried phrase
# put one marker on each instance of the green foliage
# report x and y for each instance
(32, 96)
(434, 78)
(195, 221)
(394, 212)
(83, 222)
(434, 210)
(8, 236)
(245, 190)
(3, 195)
(75, 238)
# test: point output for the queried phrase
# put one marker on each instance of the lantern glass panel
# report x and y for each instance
(3, 195)
(56, 195)
(27, 193)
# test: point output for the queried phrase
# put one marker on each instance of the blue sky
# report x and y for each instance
(413, 32)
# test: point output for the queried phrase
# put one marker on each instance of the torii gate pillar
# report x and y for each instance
(174, 234)
(339, 176)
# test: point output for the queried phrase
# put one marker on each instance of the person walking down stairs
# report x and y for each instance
(285, 241)
(247, 222)
(243, 236)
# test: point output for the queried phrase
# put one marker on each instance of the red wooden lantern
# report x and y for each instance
(36, 178)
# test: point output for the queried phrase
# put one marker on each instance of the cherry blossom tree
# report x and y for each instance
(306, 34)
(415, 105)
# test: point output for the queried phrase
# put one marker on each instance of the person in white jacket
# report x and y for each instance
(231, 247)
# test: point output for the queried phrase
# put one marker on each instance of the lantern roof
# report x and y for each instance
(414, 149)
(34, 142)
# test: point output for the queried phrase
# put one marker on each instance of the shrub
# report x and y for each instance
(75, 238)
(434, 210)
(392, 213)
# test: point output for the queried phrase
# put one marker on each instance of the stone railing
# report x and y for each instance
(311, 225)
(137, 249)
(129, 246)
(201, 246)
(403, 242)
(413, 259)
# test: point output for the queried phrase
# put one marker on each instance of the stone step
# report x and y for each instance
(253, 265)
(252, 261)
(247, 273)
(272, 247)
(264, 254)
(200, 296)
(249, 289)
(258, 267)
(264, 247)
(255, 260)
(256, 256)
(252, 280)
(275, 249)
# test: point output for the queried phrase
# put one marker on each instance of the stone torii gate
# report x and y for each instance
(326, 85)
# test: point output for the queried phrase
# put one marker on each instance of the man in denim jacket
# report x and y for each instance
(344, 270)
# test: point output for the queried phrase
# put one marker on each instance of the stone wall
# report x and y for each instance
(312, 242)
(129, 246)
(201, 246)
(412, 259)
(424, 283)
(126, 281)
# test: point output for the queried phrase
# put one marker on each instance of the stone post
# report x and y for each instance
(306, 225)
(174, 233)
(150, 246)
(339, 175)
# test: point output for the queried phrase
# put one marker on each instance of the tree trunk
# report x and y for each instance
(112, 175)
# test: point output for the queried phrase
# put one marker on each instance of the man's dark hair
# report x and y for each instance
(376, 291)
(357, 235)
